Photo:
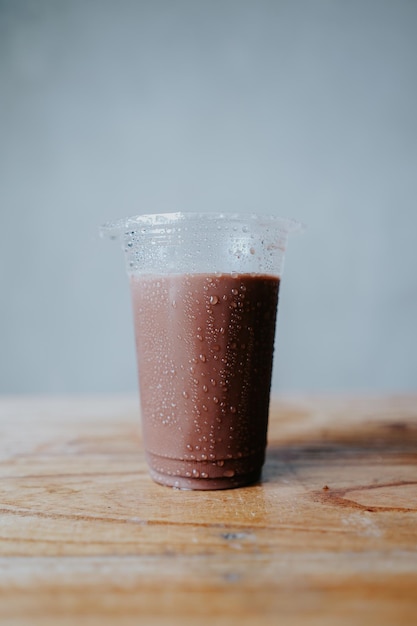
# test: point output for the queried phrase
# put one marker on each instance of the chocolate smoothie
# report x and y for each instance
(205, 346)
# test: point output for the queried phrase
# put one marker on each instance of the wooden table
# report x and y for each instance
(329, 537)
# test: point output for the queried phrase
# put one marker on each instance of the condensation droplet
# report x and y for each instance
(203, 358)
(232, 409)
(185, 394)
(214, 299)
(229, 473)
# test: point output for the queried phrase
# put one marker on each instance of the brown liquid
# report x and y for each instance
(205, 346)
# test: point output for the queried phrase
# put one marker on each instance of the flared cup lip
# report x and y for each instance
(147, 221)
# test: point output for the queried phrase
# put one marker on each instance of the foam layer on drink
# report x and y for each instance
(205, 348)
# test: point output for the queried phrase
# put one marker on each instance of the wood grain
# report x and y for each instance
(329, 535)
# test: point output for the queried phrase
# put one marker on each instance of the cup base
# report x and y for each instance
(205, 484)
(206, 475)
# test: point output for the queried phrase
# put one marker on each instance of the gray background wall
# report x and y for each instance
(305, 108)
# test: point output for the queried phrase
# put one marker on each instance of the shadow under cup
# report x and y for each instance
(205, 294)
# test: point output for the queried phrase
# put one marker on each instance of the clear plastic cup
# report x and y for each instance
(205, 293)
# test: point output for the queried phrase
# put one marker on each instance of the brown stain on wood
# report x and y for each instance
(339, 497)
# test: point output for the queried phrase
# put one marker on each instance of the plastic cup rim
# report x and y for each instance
(115, 228)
